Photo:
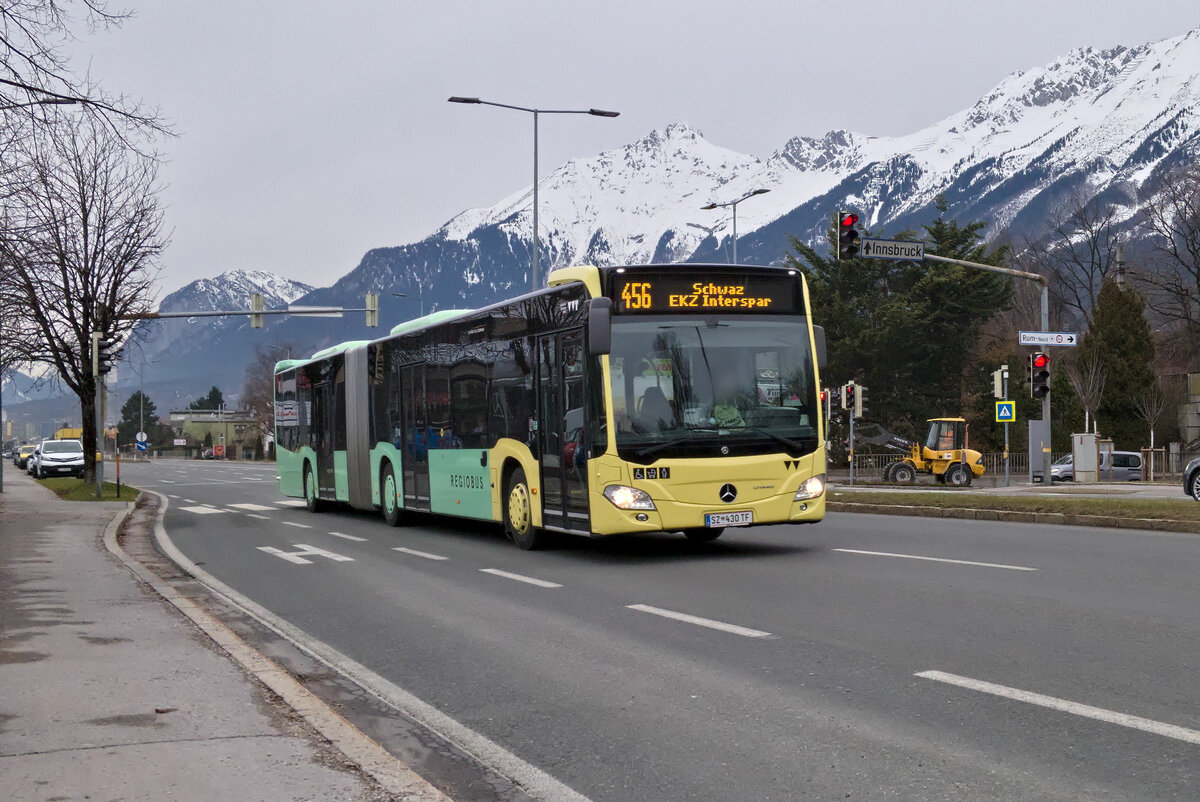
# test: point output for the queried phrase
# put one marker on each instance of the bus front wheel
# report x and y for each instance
(388, 497)
(705, 534)
(518, 513)
(311, 498)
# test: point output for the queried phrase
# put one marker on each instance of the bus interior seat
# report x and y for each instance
(655, 412)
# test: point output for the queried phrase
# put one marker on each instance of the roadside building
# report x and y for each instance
(231, 431)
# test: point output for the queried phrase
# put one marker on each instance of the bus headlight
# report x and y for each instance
(811, 488)
(628, 498)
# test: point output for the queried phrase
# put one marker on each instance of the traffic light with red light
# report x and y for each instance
(847, 246)
(1039, 375)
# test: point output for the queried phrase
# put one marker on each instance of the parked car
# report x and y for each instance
(1126, 467)
(1191, 479)
(59, 458)
(20, 459)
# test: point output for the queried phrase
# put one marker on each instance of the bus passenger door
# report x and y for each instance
(325, 418)
(416, 437)
(561, 424)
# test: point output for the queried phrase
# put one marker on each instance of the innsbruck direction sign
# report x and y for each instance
(892, 249)
(1049, 338)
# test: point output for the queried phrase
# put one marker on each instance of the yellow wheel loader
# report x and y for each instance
(944, 454)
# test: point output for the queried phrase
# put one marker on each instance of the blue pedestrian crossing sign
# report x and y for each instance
(1006, 411)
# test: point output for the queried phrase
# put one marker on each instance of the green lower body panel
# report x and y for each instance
(290, 465)
(341, 482)
(459, 483)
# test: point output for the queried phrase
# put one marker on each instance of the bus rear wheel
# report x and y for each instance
(388, 496)
(518, 513)
(311, 498)
(705, 534)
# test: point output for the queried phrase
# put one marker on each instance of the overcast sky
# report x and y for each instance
(311, 132)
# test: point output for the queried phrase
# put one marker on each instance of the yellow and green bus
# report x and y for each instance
(638, 399)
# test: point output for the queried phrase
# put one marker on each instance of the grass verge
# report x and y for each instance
(1181, 515)
(71, 489)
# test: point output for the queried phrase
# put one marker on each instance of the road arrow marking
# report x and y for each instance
(305, 550)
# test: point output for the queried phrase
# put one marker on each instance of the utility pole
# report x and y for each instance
(1004, 378)
(1045, 326)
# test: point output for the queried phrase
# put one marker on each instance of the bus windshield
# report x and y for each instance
(701, 387)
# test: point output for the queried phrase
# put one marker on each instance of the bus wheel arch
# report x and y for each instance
(388, 493)
(312, 495)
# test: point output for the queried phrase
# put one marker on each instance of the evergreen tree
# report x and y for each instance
(214, 400)
(906, 330)
(1120, 335)
(138, 414)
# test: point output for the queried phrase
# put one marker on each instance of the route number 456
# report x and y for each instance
(636, 295)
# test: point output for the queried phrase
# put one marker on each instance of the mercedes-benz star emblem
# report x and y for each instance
(727, 493)
(724, 449)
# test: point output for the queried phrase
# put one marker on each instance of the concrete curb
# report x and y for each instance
(1053, 518)
(391, 773)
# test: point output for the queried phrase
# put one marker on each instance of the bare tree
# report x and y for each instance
(80, 237)
(35, 75)
(1088, 377)
(1173, 217)
(1077, 255)
(1150, 406)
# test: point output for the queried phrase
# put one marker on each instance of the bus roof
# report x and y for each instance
(428, 320)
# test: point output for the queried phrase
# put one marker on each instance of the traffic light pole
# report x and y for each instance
(1045, 323)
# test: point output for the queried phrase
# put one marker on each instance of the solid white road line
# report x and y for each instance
(424, 554)
(936, 559)
(702, 622)
(349, 537)
(541, 583)
(203, 510)
(252, 507)
(298, 526)
(1075, 708)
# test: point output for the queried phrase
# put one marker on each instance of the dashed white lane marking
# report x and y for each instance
(298, 526)
(259, 517)
(251, 507)
(541, 583)
(734, 629)
(290, 502)
(424, 554)
(355, 538)
(169, 495)
(936, 559)
(166, 481)
(1075, 708)
(190, 500)
(202, 510)
(305, 550)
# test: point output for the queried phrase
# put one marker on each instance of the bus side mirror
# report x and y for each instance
(819, 342)
(599, 326)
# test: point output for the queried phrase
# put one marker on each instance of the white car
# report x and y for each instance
(58, 458)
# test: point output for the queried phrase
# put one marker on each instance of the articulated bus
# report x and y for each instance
(656, 398)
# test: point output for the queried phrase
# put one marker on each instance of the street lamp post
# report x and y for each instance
(734, 203)
(420, 299)
(533, 279)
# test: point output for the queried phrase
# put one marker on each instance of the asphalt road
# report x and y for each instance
(869, 657)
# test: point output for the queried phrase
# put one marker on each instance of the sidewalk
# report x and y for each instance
(106, 692)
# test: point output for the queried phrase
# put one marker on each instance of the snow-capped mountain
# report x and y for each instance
(1093, 123)
(190, 352)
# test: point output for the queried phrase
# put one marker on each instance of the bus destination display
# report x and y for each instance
(657, 294)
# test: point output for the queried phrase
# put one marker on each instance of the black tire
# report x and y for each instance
(705, 534)
(518, 513)
(1195, 485)
(958, 475)
(904, 474)
(311, 498)
(887, 472)
(392, 512)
